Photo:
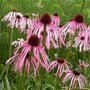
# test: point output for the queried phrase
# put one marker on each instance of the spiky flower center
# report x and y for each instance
(79, 18)
(18, 17)
(82, 38)
(26, 16)
(45, 19)
(55, 14)
(76, 72)
(34, 40)
(60, 60)
(14, 10)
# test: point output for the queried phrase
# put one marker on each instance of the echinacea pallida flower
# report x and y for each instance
(56, 19)
(83, 64)
(15, 22)
(18, 20)
(81, 41)
(61, 64)
(75, 75)
(45, 28)
(75, 24)
(11, 15)
(21, 22)
(28, 62)
(56, 33)
(32, 46)
(25, 22)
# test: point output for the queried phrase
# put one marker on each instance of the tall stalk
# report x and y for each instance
(11, 37)
(43, 43)
(10, 50)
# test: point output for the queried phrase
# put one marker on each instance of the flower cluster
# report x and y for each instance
(41, 34)
(64, 68)
(77, 29)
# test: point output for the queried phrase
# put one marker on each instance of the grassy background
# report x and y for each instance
(66, 9)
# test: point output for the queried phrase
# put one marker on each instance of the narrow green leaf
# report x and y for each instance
(7, 83)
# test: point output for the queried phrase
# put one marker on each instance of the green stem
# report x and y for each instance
(44, 35)
(69, 50)
(41, 83)
(82, 5)
(10, 51)
(71, 46)
(35, 86)
(55, 81)
(43, 42)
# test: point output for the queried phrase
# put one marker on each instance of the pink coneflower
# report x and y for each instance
(75, 24)
(21, 22)
(62, 65)
(9, 17)
(32, 45)
(27, 63)
(81, 41)
(46, 29)
(15, 22)
(56, 19)
(83, 64)
(75, 75)
(25, 22)
(57, 33)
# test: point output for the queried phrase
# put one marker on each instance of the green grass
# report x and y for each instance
(66, 9)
